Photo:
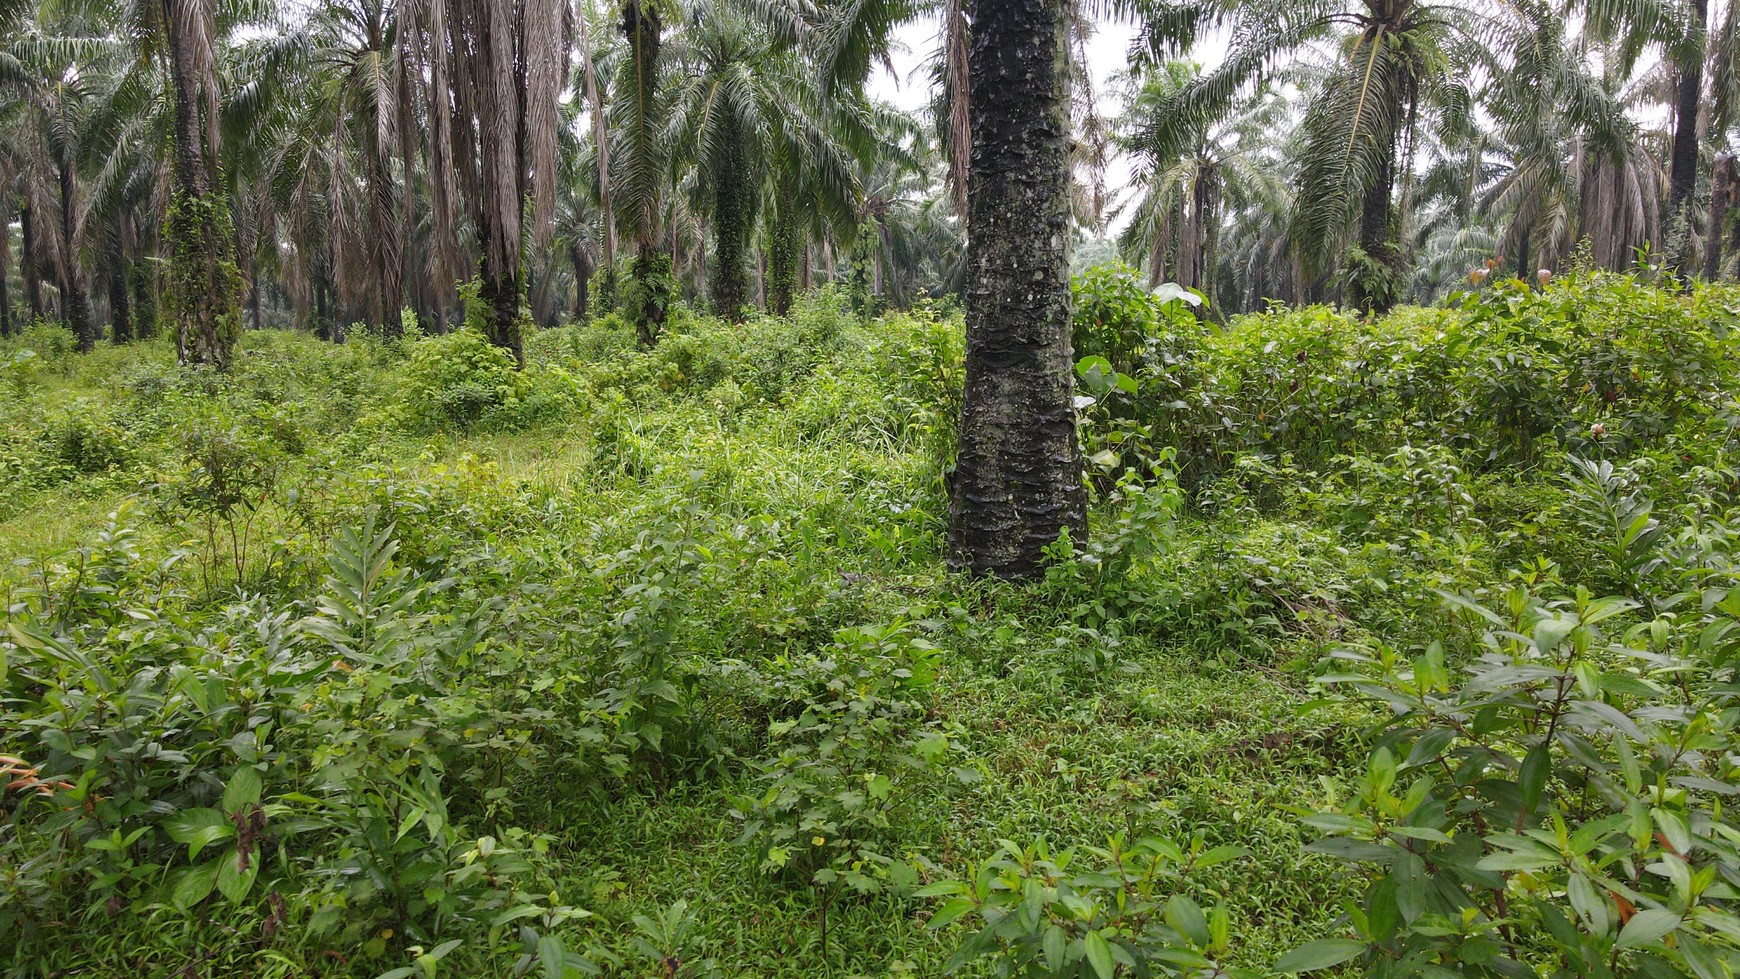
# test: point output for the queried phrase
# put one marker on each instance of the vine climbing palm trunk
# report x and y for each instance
(734, 213)
(204, 286)
(784, 252)
(1018, 481)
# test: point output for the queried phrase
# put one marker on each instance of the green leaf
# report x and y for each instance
(198, 828)
(1185, 915)
(1220, 854)
(1533, 778)
(1382, 771)
(942, 888)
(195, 884)
(412, 818)
(950, 911)
(234, 883)
(1534, 860)
(1550, 633)
(1320, 954)
(243, 789)
(1099, 955)
(1646, 927)
(1429, 746)
(1055, 944)
(553, 955)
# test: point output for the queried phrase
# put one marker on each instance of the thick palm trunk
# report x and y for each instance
(411, 267)
(784, 255)
(1211, 242)
(1724, 186)
(582, 278)
(120, 309)
(600, 142)
(72, 284)
(6, 328)
(438, 157)
(204, 285)
(498, 112)
(142, 287)
(248, 266)
(648, 293)
(1376, 233)
(1018, 481)
(322, 326)
(1161, 250)
(386, 246)
(733, 214)
(1683, 164)
(27, 266)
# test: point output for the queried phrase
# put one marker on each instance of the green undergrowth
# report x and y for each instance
(387, 659)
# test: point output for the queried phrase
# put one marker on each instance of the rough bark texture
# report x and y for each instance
(582, 278)
(600, 142)
(5, 261)
(120, 308)
(1724, 186)
(405, 113)
(386, 248)
(204, 286)
(438, 155)
(322, 325)
(1211, 240)
(543, 67)
(1683, 164)
(27, 263)
(500, 114)
(1376, 233)
(72, 283)
(142, 283)
(1018, 481)
(784, 254)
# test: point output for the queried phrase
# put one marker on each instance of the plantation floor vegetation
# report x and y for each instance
(389, 659)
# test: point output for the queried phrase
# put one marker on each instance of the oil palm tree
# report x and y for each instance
(1557, 129)
(1184, 194)
(1017, 483)
(1679, 31)
(640, 159)
(746, 114)
(49, 71)
(1393, 63)
(203, 285)
(910, 241)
